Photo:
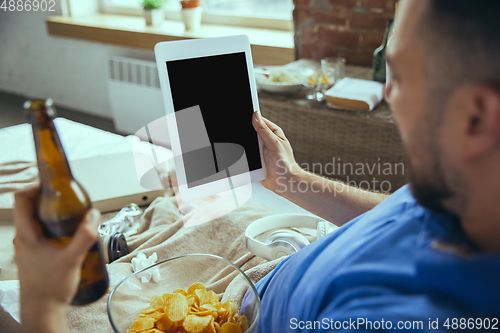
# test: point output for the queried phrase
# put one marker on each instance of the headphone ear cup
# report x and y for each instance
(296, 240)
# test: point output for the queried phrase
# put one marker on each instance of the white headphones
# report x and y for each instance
(283, 242)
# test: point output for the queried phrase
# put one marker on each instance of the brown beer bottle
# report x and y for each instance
(62, 202)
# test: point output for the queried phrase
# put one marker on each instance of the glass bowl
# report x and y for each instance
(131, 296)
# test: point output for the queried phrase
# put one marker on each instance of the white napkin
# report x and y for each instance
(140, 262)
(369, 92)
(9, 298)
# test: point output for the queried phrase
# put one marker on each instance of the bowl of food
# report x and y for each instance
(195, 293)
(278, 79)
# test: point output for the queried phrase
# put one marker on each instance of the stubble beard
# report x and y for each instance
(435, 184)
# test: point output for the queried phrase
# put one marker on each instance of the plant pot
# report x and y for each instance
(154, 17)
(190, 4)
(191, 14)
(192, 18)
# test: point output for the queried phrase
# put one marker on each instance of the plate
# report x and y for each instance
(277, 87)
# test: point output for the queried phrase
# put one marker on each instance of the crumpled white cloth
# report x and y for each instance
(9, 298)
(140, 262)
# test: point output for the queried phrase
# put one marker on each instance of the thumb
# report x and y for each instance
(270, 139)
(85, 236)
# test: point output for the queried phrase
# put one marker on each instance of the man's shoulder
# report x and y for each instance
(403, 196)
(399, 206)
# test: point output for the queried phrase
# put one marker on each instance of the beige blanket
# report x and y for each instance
(162, 231)
(14, 176)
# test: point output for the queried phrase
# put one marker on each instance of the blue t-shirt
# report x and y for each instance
(398, 265)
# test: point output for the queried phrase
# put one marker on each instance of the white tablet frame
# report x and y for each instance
(194, 48)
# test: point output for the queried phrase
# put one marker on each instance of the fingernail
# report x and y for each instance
(259, 119)
(94, 216)
(257, 115)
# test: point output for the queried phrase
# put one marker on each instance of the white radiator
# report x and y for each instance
(134, 94)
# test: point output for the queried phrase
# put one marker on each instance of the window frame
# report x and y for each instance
(207, 18)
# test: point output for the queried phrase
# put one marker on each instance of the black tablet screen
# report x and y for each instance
(218, 88)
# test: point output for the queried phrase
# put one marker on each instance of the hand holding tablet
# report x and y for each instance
(210, 95)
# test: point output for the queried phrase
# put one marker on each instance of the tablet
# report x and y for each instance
(210, 94)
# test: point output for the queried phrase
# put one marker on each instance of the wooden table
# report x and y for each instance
(363, 148)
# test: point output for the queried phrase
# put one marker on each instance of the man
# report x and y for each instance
(428, 256)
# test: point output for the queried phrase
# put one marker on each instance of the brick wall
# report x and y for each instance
(352, 29)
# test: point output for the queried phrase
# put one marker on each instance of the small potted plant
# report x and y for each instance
(152, 12)
(191, 14)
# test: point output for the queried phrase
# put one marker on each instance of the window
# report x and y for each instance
(274, 14)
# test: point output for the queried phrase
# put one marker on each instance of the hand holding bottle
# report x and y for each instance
(48, 275)
(61, 202)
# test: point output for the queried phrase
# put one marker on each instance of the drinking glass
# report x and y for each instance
(314, 80)
(333, 68)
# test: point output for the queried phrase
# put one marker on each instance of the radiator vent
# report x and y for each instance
(134, 93)
(141, 73)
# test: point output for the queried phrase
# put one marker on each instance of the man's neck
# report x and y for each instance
(481, 221)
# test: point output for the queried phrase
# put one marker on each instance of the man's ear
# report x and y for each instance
(483, 123)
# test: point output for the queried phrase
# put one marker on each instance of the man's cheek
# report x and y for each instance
(401, 122)
(407, 119)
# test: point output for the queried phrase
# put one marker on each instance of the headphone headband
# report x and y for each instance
(273, 222)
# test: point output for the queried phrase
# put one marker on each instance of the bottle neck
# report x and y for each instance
(53, 165)
(387, 32)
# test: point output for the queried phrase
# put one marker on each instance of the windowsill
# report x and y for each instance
(269, 47)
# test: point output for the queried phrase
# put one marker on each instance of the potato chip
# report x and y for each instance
(196, 324)
(232, 310)
(193, 311)
(200, 293)
(141, 324)
(194, 286)
(176, 307)
(190, 301)
(230, 328)
(201, 312)
(148, 310)
(243, 323)
(223, 315)
(210, 327)
(180, 291)
(209, 297)
(164, 323)
(209, 307)
(155, 315)
(196, 300)
(156, 302)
